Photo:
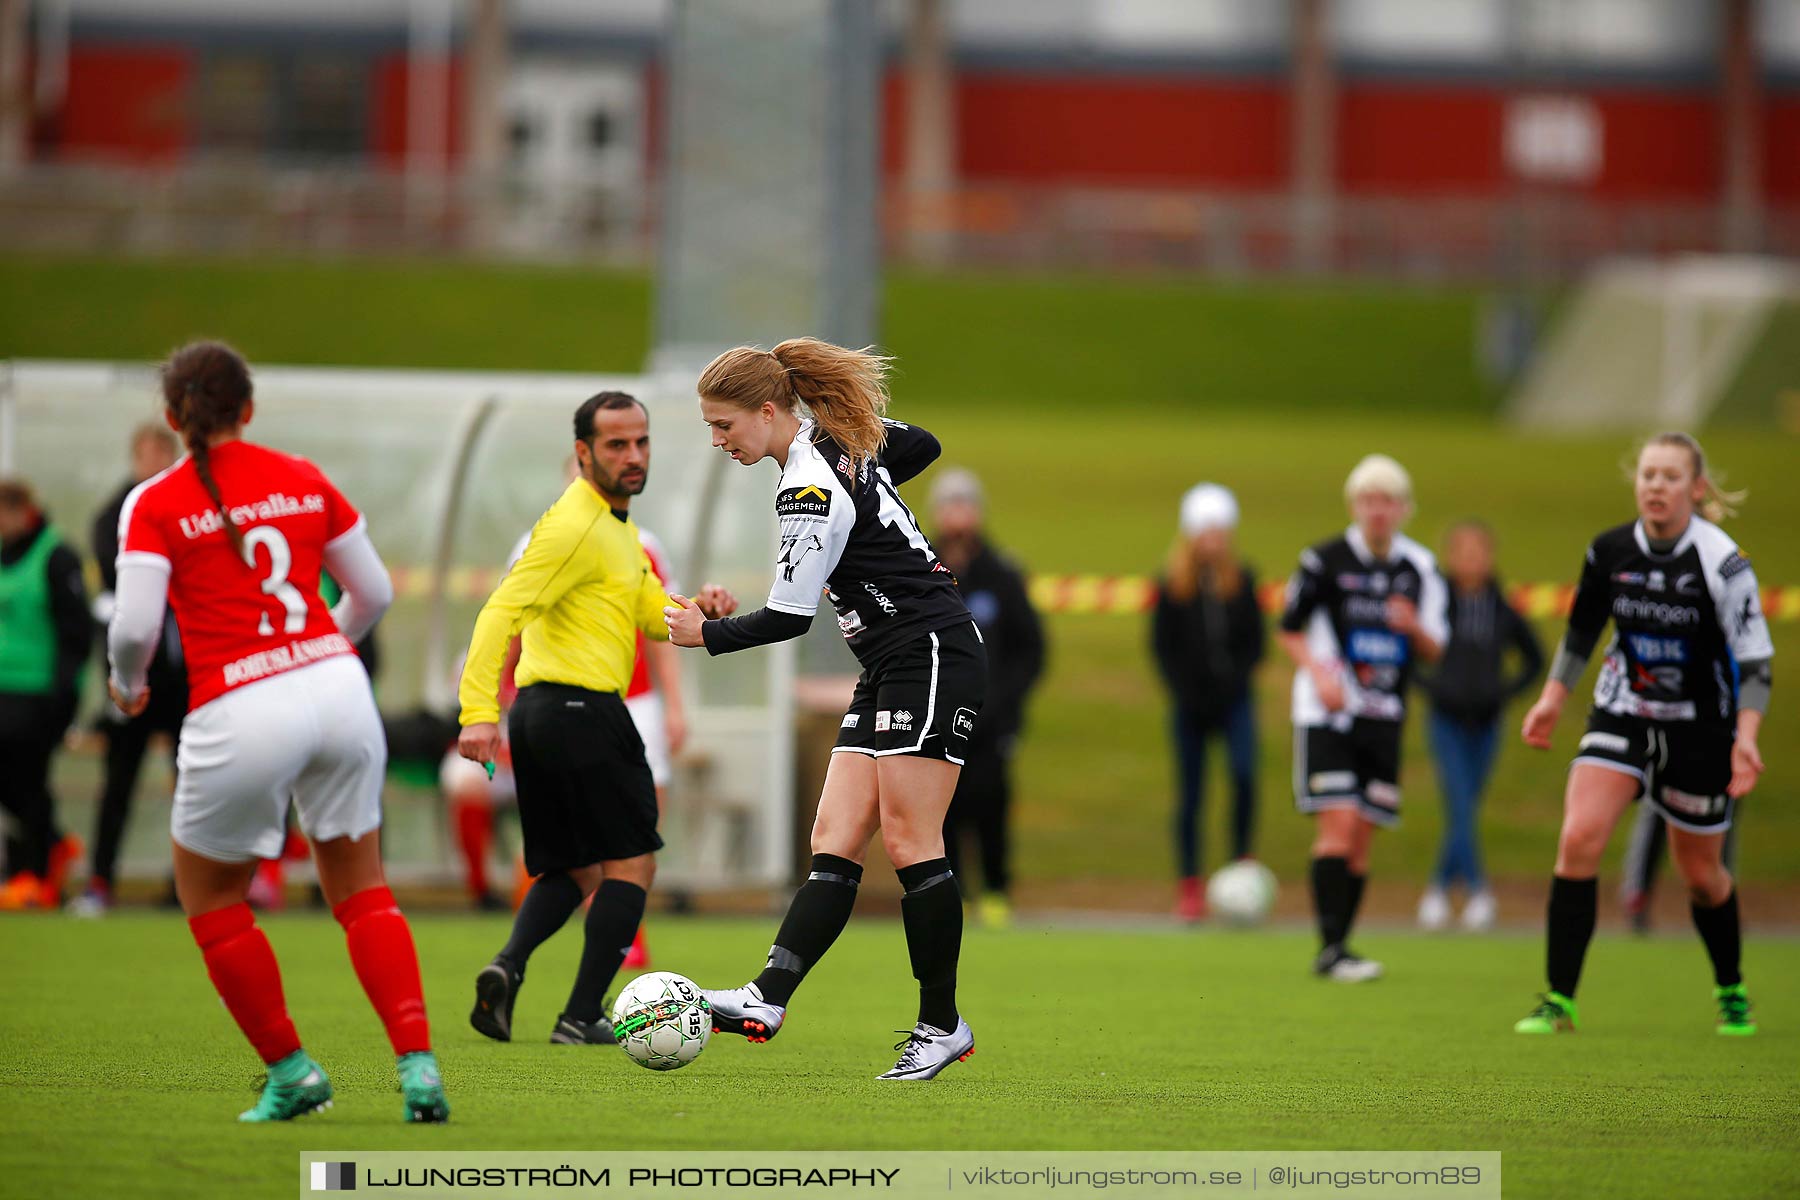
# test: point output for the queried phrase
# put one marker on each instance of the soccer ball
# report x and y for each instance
(662, 1021)
(1242, 892)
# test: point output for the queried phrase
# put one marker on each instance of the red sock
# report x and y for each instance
(243, 969)
(474, 830)
(381, 950)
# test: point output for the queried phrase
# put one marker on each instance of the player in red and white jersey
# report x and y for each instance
(233, 538)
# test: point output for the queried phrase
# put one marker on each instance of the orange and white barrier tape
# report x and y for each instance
(1110, 595)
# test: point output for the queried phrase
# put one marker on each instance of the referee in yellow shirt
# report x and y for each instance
(587, 804)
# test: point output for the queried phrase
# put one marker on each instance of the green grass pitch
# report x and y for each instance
(121, 1074)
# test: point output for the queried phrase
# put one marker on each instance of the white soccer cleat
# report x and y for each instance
(928, 1050)
(1351, 969)
(1479, 913)
(1434, 910)
(744, 1011)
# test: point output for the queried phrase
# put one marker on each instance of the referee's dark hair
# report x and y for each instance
(584, 416)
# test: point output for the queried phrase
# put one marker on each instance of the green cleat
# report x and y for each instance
(1734, 1011)
(296, 1085)
(1555, 1013)
(423, 1088)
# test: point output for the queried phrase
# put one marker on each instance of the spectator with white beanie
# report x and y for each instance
(1207, 634)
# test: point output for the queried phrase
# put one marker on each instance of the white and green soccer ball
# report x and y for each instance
(1242, 893)
(662, 1021)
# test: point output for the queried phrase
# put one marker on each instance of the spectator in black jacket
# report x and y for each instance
(44, 640)
(1468, 688)
(1208, 636)
(994, 590)
(153, 451)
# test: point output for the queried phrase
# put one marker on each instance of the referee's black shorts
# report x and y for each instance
(585, 791)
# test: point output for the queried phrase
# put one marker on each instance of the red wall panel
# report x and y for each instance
(387, 116)
(1658, 145)
(126, 102)
(1781, 148)
(1135, 131)
(1393, 138)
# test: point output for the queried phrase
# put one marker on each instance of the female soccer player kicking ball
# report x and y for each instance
(233, 537)
(816, 410)
(1677, 707)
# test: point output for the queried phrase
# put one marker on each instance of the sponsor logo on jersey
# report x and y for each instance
(1635, 608)
(903, 720)
(1687, 584)
(809, 501)
(273, 506)
(884, 720)
(1369, 609)
(1629, 578)
(1747, 615)
(1378, 582)
(850, 721)
(1647, 648)
(1736, 564)
(963, 723)
(1656, 582)
(1350, 581)
(881, 601)
(849, 623)
(285, 658)
(794, 549)
(1376, 646)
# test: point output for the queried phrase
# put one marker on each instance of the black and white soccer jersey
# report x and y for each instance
(1683, 622)
(846, 532)
(1339, 599)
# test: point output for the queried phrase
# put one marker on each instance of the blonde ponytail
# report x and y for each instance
(844, 390)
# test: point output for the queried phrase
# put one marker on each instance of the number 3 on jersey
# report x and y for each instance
(281, 561)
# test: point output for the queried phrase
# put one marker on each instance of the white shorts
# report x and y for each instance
(310, 736)
(459, 776)
(647, 714)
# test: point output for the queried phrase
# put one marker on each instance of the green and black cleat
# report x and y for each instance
(1555, 1013)
(1735, 1017)
(295, 1086)
(570, 1032)
(423, 1088)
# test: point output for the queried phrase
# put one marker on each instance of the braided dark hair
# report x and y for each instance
(205, 386)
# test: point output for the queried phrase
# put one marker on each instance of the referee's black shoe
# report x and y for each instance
(570, 1032)
(495, 990)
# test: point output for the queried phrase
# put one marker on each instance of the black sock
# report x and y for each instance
(1331, 899)
(1353, 900)
(547, 906)
(932, 912)
(1723, 936)
(816, 915)
(612, 922)
(1571, 927)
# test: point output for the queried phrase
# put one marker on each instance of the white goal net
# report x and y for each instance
(451, 468)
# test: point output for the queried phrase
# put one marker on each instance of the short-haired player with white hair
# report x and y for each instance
(1361, 608)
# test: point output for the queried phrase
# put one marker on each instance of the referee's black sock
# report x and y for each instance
(612, 921)
(1331, 898)
(1573, 903)
(932, 912)
(547, 906)
(1353, 899)
(815, 917)
(1723, 936)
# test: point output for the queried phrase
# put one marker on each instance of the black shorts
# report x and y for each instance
(585, 791)
(1682, 767)
(1354, 768)
(922, 699)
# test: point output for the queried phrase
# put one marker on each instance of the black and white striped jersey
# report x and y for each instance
(846, 532)
(1682, 622)
(1338, 597)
